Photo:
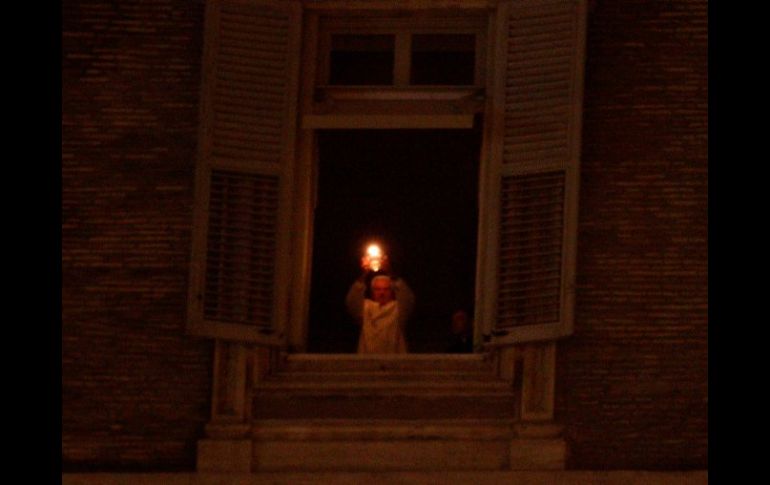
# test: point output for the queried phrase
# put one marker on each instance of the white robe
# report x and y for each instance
(382, 328)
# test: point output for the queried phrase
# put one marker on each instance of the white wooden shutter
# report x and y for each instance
(535, 150)
(239, 264)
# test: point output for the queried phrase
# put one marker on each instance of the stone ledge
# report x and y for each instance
(383, 429)
(627, 477)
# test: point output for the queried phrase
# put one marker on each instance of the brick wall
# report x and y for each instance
(633, 378)
(135, 389)
(632, 381)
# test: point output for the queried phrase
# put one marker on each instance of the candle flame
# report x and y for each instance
(374, 251)
(374, 257)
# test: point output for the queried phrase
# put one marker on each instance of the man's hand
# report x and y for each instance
(366, 264)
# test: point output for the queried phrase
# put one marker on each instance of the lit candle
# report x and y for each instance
(374, 257)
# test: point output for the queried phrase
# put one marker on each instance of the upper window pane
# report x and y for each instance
(443, 59)
(361, 59)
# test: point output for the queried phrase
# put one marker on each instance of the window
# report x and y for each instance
(361, 59)
(443, 59)
(401, 52)
(434, 59)
(251, 282)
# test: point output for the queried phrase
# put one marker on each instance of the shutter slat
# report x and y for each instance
(552, 156)
(516, 253)
(241, 248)
(243, 207)
(244, 19)
(246, 140)
(259, 96)
(546, 230)
(523, 311)
(228, 115)
(270, 95)
(250, 75)
(249, 46)
(531, 232)
(257, 77)
(230, 122)
(540, 69)
(236, 64)
(252, 283)
(234, 236)
(529, 301)
(541, 278)
(244, 154)
(539, 82)
(272, 34)
(250, 94)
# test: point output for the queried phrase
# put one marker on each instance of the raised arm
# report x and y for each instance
(354, 301)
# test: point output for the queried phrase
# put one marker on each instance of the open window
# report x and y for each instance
(514, 69)
(416, 192)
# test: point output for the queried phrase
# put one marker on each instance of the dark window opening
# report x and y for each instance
(417, 191)
(443, 59)
(361, 59)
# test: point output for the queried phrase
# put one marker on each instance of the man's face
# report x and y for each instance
(381, 291)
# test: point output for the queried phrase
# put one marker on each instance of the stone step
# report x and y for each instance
(368, 444)
(409, 455)
(382, 376)
(384, 387)
(412, 386)
(380, 455)
(354, 363)
(489, 477)
(418, 404)
(384, 429)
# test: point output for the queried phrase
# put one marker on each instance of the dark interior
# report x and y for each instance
(436, 59)
(361, 60)
(417, 192)
(443, 59)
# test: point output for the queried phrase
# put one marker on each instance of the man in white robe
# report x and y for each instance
(383, 317)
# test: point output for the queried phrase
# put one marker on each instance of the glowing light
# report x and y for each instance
(373, 259)
(374, 251)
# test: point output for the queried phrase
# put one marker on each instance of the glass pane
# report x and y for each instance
(361, 59)
(443, 59)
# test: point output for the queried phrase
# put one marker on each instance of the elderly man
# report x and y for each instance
(384, 316)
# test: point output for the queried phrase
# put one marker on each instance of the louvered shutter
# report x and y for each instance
(536, 154)
(239, 263)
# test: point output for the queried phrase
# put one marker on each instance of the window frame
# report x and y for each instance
(402, 29)
(433, 107)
